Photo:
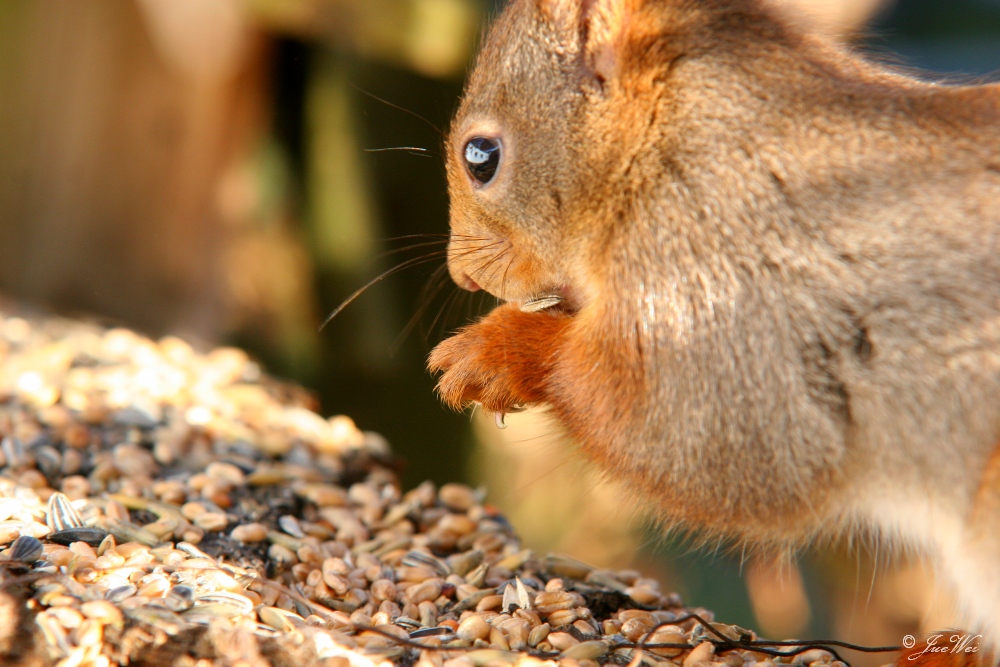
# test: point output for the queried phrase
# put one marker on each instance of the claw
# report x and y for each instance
(498, 416)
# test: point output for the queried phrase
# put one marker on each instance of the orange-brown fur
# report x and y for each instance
(781, 271)
(518, 351)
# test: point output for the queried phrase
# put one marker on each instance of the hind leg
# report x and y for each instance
(970, 564)
(974, 566)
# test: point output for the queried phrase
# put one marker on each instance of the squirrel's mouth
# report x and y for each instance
(467, 283)
(490, 264)
(558, 298)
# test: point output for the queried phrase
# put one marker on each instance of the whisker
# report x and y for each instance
(431, 289)
(439, 275)
(461, 246)
(448, 303)
(462, 302)
(403, 109)
(396, 269)
(465, 252)
(492, 263)
(472, 306)
(412, 150)
(418, 236)
(396, 148)
(436, 329)
(396, 251)
(493, 260)
(466, 242)
(503, 280)
(526, 486)
(474, 239)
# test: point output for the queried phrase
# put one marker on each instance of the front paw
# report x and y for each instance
(501, 362)
(467, 375)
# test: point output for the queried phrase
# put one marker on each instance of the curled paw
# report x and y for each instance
(502, 362)
(470, 373)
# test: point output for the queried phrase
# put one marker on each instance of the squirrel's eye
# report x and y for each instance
(482, 156)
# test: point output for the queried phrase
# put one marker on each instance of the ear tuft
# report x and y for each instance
(602, 25)
(594, 27)
(564, 16)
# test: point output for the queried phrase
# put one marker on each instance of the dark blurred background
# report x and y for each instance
(213, 168)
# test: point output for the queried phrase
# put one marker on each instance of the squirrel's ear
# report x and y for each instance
(595, 28)
(601, 26)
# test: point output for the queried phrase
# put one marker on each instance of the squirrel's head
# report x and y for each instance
(510, 167)
(520, 150)
(577, 111)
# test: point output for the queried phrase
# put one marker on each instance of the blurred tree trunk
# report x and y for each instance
(118, 121)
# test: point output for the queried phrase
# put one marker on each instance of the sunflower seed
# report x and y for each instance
(473, 600)
(91, 536)
(162, 619)
(60, 513)
(192, 550)
(565, 566)
(290, 525)
(418, 558)
(240, 603)
(462, 563)
(120, 593)
(431, 632)
(541, 302)
(409, 624)
(178, 599)
(26, 549)
(13, 451)
(607, 580)
(478, 576)
(279, 619)
(126, 531)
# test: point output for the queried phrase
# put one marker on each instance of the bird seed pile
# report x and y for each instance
(164, 507)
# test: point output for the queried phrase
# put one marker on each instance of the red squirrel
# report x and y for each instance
(751, 274)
